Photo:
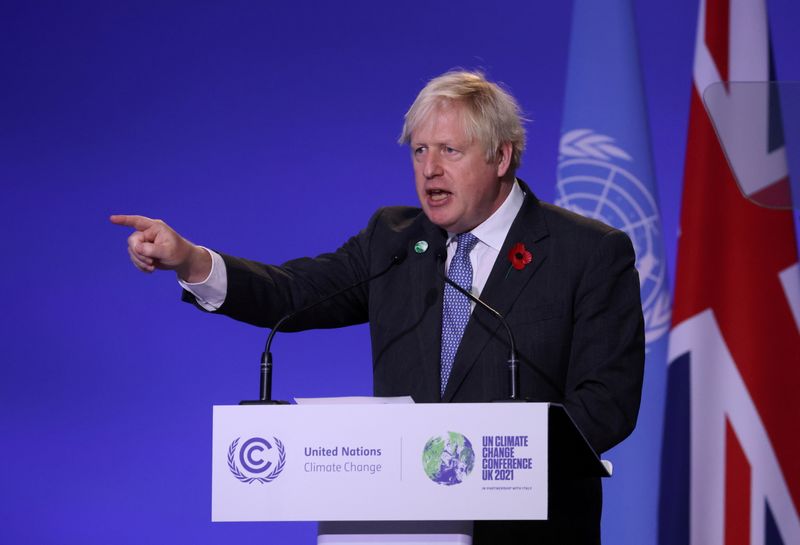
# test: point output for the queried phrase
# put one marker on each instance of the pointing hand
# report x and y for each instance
(155, 245)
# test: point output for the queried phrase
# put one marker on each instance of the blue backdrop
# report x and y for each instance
(263, 129)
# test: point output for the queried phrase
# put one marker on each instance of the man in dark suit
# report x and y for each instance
(569, 290)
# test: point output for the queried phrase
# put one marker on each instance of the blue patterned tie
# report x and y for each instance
(456, 307)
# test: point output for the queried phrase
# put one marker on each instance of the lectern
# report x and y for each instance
(470, 461)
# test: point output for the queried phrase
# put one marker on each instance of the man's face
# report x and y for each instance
(457, 187)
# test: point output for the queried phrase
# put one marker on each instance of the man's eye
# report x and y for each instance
(418, 150)
(448, 149)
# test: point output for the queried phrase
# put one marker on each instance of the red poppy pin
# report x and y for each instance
(519, 256)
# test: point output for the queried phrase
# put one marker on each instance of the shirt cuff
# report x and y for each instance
(211, 292)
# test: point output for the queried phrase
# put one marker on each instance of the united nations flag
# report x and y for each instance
(605, 172)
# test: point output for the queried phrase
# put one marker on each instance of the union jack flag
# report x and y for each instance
(730, 469)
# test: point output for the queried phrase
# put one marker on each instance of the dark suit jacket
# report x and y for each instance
(575, 311)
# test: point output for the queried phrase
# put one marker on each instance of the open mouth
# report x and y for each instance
(438, 195)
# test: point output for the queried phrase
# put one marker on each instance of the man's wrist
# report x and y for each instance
(197, 266)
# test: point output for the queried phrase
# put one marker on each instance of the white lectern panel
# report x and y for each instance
(380, 462)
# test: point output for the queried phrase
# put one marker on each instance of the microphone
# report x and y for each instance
(265, 385)
(513, 362)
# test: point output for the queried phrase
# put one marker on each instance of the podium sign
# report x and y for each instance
(468, 461)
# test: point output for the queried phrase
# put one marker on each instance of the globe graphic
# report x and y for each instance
(448, 458)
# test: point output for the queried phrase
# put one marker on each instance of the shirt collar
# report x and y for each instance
(493, 231)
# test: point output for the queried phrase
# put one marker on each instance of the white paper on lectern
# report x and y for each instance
(352, 400)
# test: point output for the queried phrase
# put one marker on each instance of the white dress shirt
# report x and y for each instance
(211, 292)
(490, 234)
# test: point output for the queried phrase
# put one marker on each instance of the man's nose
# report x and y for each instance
(432, 166)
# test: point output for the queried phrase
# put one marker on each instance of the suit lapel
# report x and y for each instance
(426, 289)
(502, 289)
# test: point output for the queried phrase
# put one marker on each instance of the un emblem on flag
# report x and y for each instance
(592, 182)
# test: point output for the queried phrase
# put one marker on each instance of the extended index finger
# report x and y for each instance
(140, 223)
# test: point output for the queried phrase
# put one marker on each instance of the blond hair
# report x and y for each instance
(492, 115)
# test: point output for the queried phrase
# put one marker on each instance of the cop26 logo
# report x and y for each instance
(595, 180)
(257, 456)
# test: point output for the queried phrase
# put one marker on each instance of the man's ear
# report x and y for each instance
(504, 159)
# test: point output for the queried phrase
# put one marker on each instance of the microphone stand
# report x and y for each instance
(513, 362)
(265, 378)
